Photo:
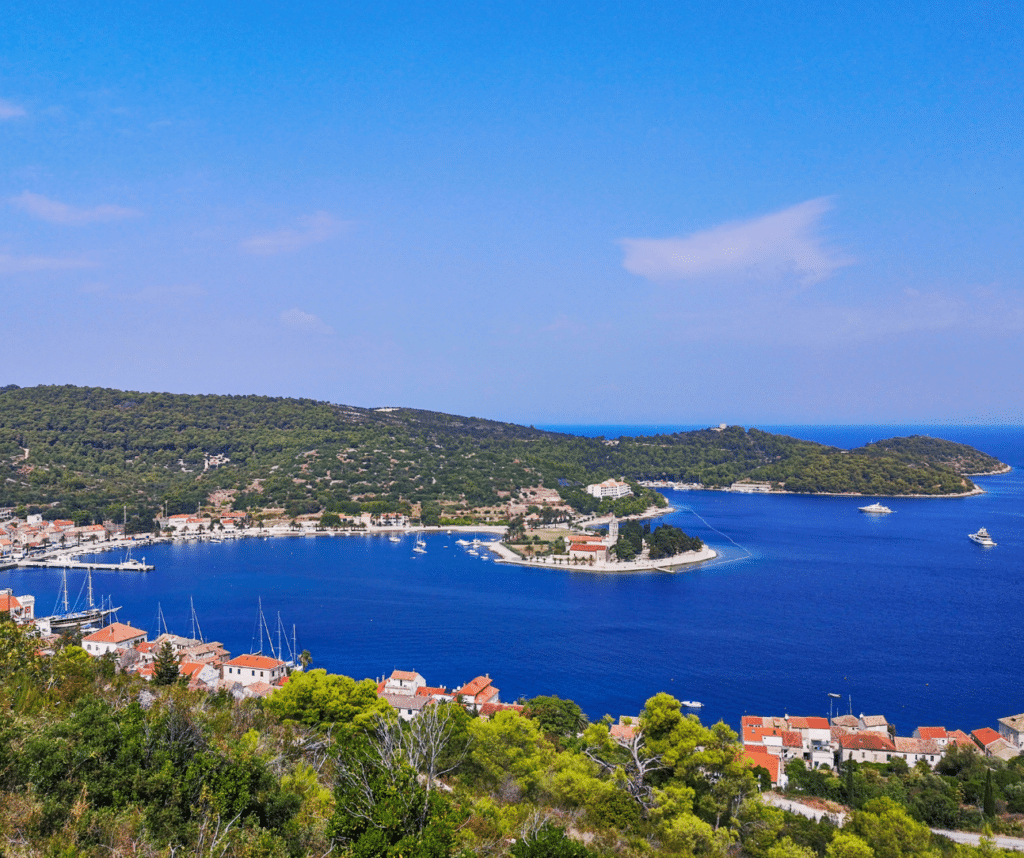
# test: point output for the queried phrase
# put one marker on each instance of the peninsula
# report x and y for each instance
(95, 455)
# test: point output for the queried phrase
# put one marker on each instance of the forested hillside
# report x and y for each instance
(95, 764)
(91, 450)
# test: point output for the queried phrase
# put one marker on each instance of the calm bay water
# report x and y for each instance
(902, 612)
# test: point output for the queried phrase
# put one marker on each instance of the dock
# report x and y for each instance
(127, 566)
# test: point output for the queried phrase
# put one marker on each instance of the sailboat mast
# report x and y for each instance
(64, 575)
(279, 636)
(88, 575)
(260, 624)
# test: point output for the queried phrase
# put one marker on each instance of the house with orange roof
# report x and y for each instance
(489, 710)
(874, 723)
(760, 758)
(915, 750)
(588, 551)
(993, 744)
(934, 734)
(248, 669)
(116, 636)
(438, 693)
(791, 738)
(404, 682)
(476, 693)
(21, 609)
(866, 747)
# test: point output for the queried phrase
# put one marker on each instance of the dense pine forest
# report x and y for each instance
(83, 453)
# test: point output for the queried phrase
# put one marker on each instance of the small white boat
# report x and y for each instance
(463, 542)
(473, 551)
(876, 508)
(692, 704)
(394, 538)
(419, 549)
(981, 537)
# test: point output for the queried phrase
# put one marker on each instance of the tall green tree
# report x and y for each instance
(165, 667)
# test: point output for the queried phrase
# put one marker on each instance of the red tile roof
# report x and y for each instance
(406, 675)
(985, 736)
(579, 546)
(931, 732)
(866, 742)
(190, 668)
(760, 757)
(8, 603)
(959, 737)
(622, 731)
(257, 662)
(429, 691)
(473, 687)
(489, 709)
(816, 723)
(792, 739)
(115, 633)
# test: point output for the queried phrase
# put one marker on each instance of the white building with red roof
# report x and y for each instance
(116, 636)
(22, 609)
(476, 693)
(404, 682)
(249, 669)
(761, 758)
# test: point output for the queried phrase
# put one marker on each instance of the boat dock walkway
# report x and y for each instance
(127, 566)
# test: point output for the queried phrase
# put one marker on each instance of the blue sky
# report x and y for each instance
(600, 212)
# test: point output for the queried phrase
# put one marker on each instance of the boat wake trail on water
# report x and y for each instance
(748, 554)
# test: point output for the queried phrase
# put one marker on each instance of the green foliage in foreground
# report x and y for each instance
(82, 453)
(965, 792)
(93, 764)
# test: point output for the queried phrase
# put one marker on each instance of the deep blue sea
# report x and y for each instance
(901, 615)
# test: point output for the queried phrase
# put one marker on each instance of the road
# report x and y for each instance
(968, 838)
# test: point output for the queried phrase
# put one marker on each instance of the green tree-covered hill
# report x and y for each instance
(91, 450)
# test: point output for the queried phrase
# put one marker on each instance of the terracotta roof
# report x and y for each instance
(866, 742)
(846, 721)
(429, 691)
(931, 732)
(751, 721)
(616, 731)
(490, 709)
(959, 737)
(8, 603)
(380, 687)
(792, 739)
(816, 723)
(190, 668)
(906, 745)
(115, 633)
(760, 757)
(260, 689)
(576, 546)
(257, 662)
(406, 675)
(985, 736)
(874, 720)
(474, 687)
(755, 735)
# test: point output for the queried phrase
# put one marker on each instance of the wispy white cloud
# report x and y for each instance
(298, 320)
(314, 229)
(23, 264)
(53, 211)
(786, 241)
(10, 111)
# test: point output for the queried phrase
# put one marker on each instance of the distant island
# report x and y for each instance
(93, 454)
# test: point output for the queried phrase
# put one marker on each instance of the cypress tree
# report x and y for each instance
(988, 804)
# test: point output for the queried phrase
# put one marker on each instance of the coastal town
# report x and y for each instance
(557, 535)
(770, 743)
